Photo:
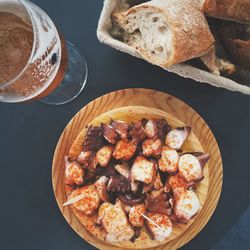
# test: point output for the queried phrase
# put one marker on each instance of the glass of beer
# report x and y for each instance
(36, 63)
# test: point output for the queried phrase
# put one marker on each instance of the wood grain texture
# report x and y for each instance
(157, 104)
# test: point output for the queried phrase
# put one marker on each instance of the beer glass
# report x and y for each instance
(36, 63)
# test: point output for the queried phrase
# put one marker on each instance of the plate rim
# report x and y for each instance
(150, 91)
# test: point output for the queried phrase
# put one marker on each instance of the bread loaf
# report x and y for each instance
(165, 32)
(235, 10)
(236, 38)
(217, 65)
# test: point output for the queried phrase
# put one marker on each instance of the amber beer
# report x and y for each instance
(61, 71)
(24, 76)
(16, 40)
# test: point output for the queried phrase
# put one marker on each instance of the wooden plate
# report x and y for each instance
(156, 104)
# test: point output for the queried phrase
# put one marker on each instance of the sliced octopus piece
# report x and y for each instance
(191, 166)
(176, 137)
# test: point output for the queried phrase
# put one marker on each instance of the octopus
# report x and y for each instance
(134, 177)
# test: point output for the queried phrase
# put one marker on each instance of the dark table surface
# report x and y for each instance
(29, 216)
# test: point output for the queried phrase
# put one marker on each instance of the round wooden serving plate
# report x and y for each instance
(133, 104)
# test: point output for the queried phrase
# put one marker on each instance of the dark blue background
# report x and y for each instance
(29, 216)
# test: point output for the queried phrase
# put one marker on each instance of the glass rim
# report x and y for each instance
(9, 82)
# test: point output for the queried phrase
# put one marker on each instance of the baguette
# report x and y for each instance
(236, 38)
(165, 32)
(234, 10)
(217, 65)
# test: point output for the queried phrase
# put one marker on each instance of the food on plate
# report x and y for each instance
(158, 201)
(123, 169)
(103, 155)
(155, 128)
(177, 182)
(152, 147)
(169, 160)
(176, 137)
(93, 140)
(88, 159)
(74, 173)
(143, 170)
(115, 222)
(101, 188)
(122, 128)
(118, 184)
(134, 180)
(159, 226)
(135, 215)
(157, 182)
(124, 150)
(90, 199)
(191, 168)
(186, 204)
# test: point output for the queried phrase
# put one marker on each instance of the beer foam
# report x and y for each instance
(32, 39)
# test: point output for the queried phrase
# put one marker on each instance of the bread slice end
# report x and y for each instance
(147, 31)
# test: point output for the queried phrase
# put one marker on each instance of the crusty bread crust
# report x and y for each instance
(240, 50)
(234, 10)
(210, 61)
(236, 37)
(217, 65)
(190, 32)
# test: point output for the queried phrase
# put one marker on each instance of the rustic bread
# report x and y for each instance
(236, 38)
(165, 32)
(235, 10)
(217, 65)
